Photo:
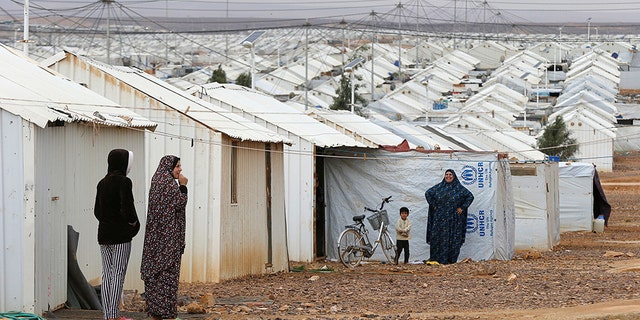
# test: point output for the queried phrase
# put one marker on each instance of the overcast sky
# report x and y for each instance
(500, 11)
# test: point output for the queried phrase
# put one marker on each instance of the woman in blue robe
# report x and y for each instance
(447, 220)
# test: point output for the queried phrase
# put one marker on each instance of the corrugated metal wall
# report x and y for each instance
(16, 287)
(49, 178)
(70, 161)
(299, 187)
(244, 233)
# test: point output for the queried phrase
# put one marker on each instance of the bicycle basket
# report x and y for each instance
(377, 218)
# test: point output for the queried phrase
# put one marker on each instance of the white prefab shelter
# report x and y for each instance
(535, 194)
(305, 235)
(55, 136)
(356, 183)
(594, 134)
(235, 214)
(576, 196)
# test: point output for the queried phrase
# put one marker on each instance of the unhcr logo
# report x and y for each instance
(468, 175)
(477, 223)
(472, 223)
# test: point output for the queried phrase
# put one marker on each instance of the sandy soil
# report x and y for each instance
(587, 276)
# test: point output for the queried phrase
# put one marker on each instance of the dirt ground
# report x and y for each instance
(587, 276)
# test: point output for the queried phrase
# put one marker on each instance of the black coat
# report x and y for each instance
(114, 207)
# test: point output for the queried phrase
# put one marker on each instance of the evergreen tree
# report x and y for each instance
(218, 75)
(244, 79)
(556, 140)
(343, 99)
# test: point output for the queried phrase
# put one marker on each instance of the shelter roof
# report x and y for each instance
(275, 113)
(40, 95)
(207, 114)
(360, 128)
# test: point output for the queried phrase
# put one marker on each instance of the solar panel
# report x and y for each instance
(353, 63)
(252, 38)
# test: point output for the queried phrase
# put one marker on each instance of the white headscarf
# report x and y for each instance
(130, 162)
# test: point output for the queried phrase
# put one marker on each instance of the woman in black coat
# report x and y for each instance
(117, 225)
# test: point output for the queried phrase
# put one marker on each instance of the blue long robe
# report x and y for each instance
(446, 229)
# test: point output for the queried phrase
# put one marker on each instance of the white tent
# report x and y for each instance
(535, 194)
(356, 183)
(576, 196)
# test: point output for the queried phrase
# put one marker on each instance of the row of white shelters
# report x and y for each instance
(555, 52)
(591, 85)
(491, 54)
(623, 52)
(424, 137)
(497, 100)
(304, 207)
(357, 127)
(521, 75)
(492, 134)
(236, 208)
(587, 107)
(416, 97)
(293, 76)
(55, 136)
(596, 61)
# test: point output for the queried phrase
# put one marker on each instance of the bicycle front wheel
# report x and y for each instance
(350, 246)
(388, 246)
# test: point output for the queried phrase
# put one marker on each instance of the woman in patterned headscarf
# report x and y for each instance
(447, 220)
(164, 238)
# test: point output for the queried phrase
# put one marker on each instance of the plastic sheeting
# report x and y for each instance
(353, 184)
(535, 193)
(576, 196)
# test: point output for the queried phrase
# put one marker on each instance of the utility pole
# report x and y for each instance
(400, 41)
(306, 65)
(343, 23)
(226, 36)
(373, 41)
(25, 38)
(166, 39)
(108, 4)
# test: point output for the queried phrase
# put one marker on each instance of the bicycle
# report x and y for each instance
(354, 244)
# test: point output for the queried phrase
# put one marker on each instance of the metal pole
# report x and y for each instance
(166, 39)
(344, 39)
(353, 92)
(306, 66)
(455, 23)
(226, 35)
(525, 104)
(25, 38)
(108, 31)
(253, 69)
(373, 41)
(400, 41)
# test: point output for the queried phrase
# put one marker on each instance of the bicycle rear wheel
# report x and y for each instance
(388, 246)
(350, 246)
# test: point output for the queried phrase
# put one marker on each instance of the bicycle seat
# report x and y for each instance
(358, 218)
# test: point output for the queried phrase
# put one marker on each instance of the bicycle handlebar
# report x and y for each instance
(384, 200)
